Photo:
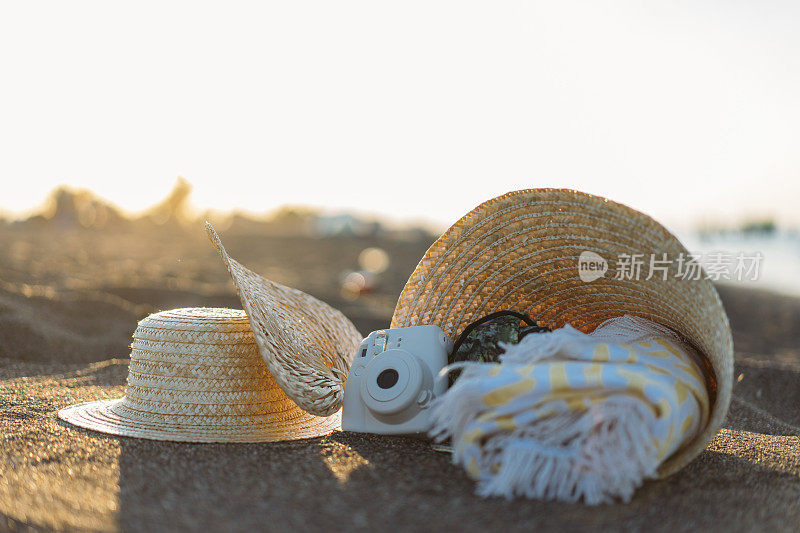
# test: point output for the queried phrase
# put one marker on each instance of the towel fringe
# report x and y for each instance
(596, 456)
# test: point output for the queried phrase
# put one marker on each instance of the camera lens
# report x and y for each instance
(388, 378)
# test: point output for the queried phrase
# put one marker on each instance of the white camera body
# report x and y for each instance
(393, 379)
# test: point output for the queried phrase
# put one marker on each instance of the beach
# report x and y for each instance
(70, 298)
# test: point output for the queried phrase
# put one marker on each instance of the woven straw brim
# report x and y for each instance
(112, 417)
(520, 251)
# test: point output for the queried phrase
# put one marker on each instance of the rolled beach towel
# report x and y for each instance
(575, 417)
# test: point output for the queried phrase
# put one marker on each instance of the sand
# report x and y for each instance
(70, 299)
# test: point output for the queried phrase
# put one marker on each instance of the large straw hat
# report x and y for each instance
(520, 251)
(197, 375)
(307, 345)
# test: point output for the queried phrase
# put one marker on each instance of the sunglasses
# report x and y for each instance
(480, 341)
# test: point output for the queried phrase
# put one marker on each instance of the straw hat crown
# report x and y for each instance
(197, 375)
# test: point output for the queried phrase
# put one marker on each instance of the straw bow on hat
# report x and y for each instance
(307, 345)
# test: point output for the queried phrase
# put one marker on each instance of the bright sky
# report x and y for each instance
(686, 110)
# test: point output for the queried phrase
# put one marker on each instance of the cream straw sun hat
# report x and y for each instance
(196, 375)
(521, 251)
(276, 372)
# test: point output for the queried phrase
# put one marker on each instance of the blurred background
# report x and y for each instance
(331, 143)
